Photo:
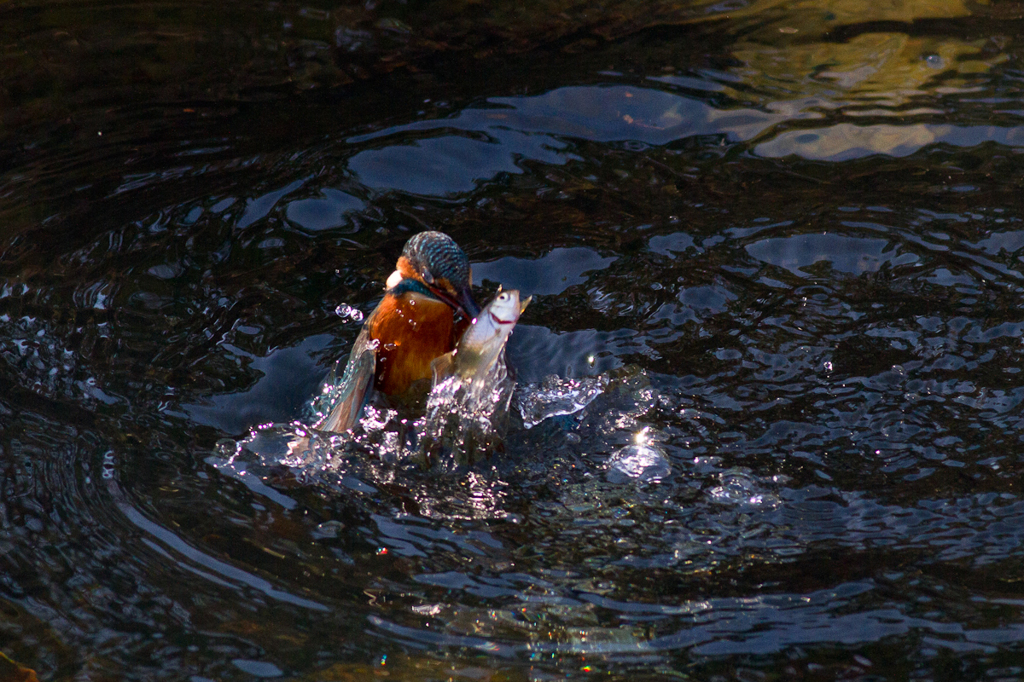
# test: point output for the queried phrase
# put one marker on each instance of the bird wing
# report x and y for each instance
(348, 397)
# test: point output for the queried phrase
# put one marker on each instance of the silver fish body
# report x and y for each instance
(468, 404)
(483, 344)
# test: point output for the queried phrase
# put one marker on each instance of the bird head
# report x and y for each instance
(436, 261)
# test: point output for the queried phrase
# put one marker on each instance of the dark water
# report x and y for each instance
(780, 241)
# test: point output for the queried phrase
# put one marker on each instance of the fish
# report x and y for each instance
(468, 405)
(482, 345)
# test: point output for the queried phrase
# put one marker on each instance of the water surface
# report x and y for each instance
(774, 249)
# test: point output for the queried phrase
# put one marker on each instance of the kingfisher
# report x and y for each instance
(427, 306)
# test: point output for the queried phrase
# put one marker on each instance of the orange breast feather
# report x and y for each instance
(411, 330)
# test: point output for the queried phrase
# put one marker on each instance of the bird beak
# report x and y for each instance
(466, 305)
(461, 301)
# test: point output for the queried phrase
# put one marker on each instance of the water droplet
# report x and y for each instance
(348, 312)
(643, 463)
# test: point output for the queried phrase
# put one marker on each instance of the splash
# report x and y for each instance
(557, 396)
(466, 417)
(644, 461)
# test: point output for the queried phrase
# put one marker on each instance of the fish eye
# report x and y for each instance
(503, 296)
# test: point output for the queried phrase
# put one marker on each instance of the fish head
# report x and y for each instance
(504, 308)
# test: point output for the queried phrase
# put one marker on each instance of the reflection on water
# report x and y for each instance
(847, 141)
(768, 412)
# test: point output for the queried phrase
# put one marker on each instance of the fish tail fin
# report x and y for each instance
(442, 366)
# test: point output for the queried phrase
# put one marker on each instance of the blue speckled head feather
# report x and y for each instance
(437, 256)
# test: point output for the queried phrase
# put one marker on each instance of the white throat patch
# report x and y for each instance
(393, 279)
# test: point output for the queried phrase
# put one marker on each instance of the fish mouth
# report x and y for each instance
(501, 321)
